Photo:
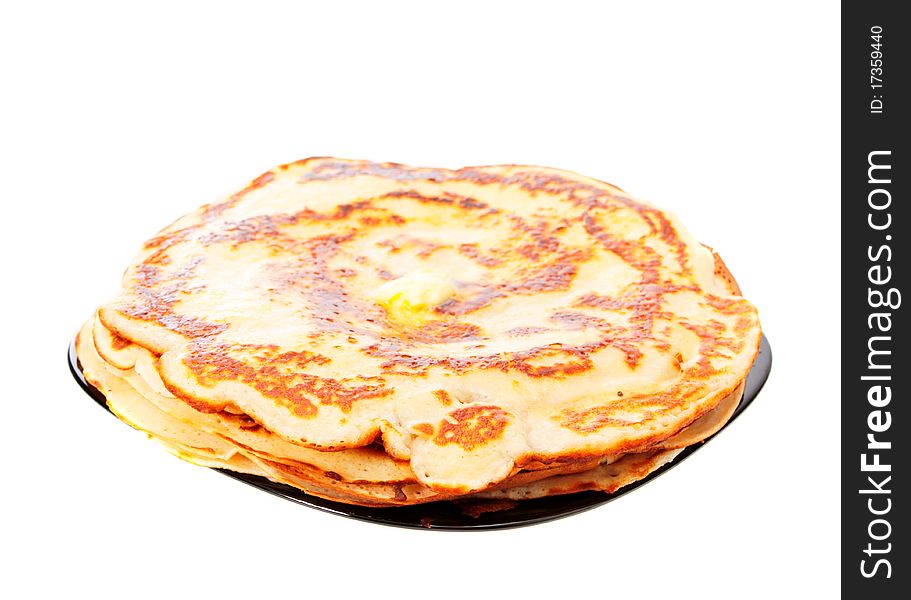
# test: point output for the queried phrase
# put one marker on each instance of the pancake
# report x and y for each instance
(384, 334)
(178, 439)
(607, 478)
(369, 472)
(369, 488)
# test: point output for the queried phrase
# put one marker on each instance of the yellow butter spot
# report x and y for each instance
(413, 297)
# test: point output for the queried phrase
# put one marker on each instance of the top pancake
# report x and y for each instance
(475, 320)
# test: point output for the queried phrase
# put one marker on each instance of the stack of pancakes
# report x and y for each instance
(383, 335)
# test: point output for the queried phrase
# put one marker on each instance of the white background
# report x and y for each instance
(116, 120)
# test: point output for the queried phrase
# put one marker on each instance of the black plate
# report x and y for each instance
(451, 515)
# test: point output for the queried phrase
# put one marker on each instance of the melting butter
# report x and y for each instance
(413, 296)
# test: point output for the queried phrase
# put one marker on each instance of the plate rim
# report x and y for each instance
(575, 503)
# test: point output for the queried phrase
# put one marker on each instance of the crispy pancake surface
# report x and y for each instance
(457, 328)
(358, 476)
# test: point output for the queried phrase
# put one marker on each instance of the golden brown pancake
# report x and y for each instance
(439, 333)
